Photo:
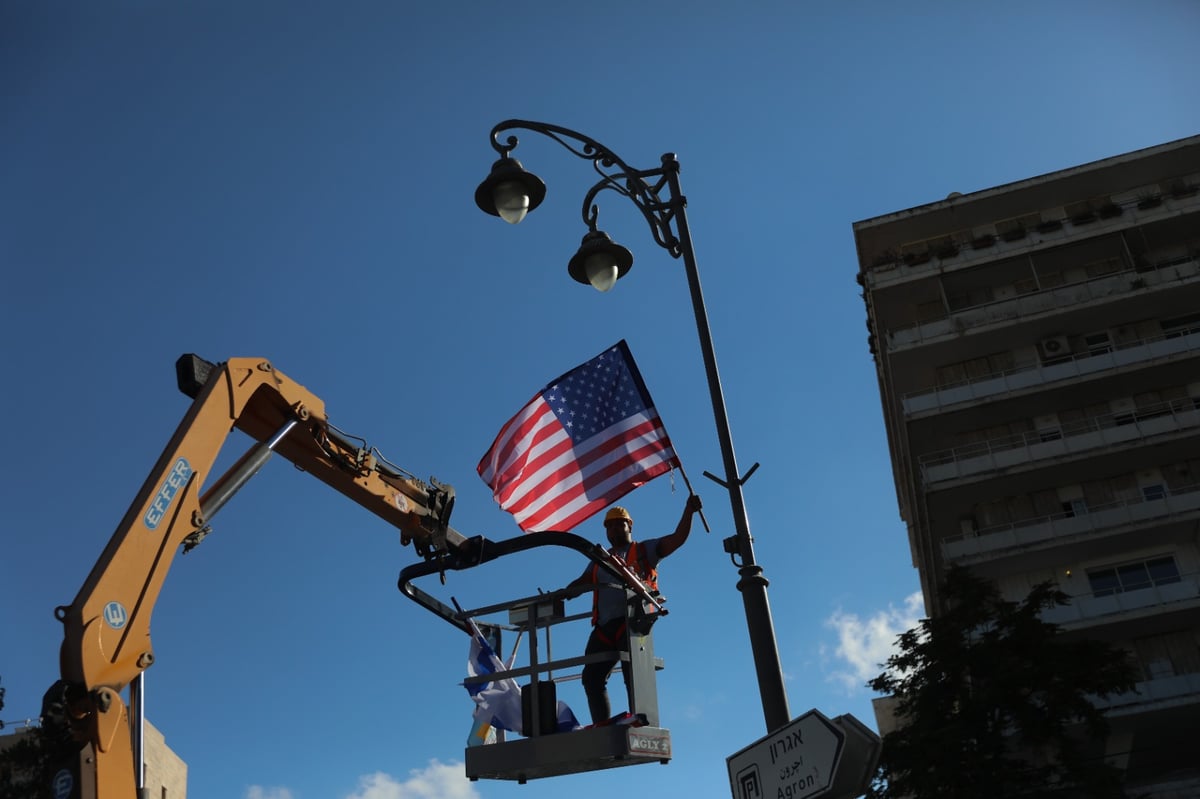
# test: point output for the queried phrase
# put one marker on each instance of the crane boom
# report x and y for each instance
(106, 642)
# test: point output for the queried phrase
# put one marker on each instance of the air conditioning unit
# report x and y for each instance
(1054, 347)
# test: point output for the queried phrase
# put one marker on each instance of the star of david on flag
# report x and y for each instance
(585, 440)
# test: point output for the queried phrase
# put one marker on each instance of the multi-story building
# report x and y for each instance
(1038, 352)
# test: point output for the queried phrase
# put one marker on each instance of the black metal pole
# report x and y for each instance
(753, 584)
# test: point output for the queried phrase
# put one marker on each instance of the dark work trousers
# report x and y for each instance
(611, 636)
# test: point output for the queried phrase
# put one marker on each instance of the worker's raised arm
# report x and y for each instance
(675, 540)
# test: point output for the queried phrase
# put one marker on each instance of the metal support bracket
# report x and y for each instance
(741, 481)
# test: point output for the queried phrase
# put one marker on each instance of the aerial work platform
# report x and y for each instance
(542, 750)
(588, 749)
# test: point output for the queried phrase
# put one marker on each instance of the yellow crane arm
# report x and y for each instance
(106, 642)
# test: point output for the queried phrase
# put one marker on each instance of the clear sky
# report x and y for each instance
(294, 181)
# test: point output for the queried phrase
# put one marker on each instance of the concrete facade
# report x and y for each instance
(166, 772)
(1037, 346)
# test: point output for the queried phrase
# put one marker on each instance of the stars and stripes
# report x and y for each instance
(583, 441)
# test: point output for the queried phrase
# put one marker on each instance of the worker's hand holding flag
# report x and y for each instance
(585, 440)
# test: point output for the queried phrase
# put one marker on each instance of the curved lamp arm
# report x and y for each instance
(615, 175)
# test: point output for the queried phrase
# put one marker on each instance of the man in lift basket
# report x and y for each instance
(609, 633)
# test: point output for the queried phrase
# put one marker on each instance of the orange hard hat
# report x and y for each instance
(617, 512)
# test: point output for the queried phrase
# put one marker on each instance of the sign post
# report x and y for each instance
(809, 757)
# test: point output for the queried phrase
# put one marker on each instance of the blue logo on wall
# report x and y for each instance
(63, 783)
(115, 615)
(178, 476)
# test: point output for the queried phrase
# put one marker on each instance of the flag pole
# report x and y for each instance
(688, 484)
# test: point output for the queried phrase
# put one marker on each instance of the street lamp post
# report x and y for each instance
(510, 192)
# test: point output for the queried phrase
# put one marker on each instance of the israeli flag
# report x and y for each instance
(498, 703)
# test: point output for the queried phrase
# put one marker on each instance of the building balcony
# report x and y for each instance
(1041, 376)
(1168, 274)
(1103, 520)
(968, 254)
(1087, 436)
(1086, 610)
(1156, 694)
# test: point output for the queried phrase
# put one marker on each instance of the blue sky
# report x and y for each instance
(294, 181)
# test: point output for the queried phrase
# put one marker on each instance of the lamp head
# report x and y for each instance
(600, 262)
(510, 192)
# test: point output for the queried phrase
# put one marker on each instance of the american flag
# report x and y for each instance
(582, 442)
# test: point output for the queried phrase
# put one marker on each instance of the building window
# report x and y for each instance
(954, 374)
(1104, 266)
(1073, 508)
(1163, 570)
(1133, 576)
(1166, 655)
(1051, 280)
(1153, 404)
(1160, 669)
(1153, 492)
(970, 298)
(1098, 343)
(930, 311)
(1181, 325)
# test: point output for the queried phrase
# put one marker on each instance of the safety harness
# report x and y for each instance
(638, 563)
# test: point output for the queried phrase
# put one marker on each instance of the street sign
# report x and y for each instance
(810, 757)
(796, 761)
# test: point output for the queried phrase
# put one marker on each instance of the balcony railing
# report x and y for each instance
(1095, 520)
(891, 273)
(1167, 272)
(1087, 609)
(999, 384)
(1176, 689)
(1107, 430)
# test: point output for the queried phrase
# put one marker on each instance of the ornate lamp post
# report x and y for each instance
(510, 192)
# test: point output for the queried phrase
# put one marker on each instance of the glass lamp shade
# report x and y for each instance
(512, 201)
(600, 261)
(509, 192)
(601, 271)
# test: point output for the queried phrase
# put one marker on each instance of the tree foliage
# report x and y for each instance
(992, 701)
(26, 765)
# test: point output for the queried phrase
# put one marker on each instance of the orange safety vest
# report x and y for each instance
(637, 563)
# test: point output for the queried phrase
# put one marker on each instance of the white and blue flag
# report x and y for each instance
(498, 703)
